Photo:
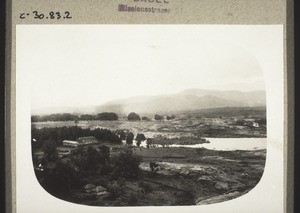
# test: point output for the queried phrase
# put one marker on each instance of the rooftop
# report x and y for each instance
(86, 137)
(68, 141)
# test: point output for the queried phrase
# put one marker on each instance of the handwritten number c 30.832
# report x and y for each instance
(52, 15)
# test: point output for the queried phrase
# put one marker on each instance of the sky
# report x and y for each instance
(81, 65)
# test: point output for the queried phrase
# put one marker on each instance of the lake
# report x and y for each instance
(231, 144)
(226, 144)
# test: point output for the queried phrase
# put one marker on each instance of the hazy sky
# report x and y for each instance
(78, 65)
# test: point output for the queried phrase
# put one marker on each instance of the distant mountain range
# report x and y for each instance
(187, 100)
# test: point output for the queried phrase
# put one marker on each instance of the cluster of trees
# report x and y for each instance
(135, 117)
(50, 151)
(161, 117)
(58, 134)
(129, 138)
(95, 159)
(121, 134)
(92, 159)
(158, 117)
(105, 116)
(170, 117)
(47, 138)
(54, 117)
(144, 118)
(139, 138)
(126, 164)
(59, 176)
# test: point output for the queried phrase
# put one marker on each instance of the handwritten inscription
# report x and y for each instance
(50, 15)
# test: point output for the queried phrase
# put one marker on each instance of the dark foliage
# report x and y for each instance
(121, 134)
(129, 138)
(49, 148)
(105, 152)
(149, 142)
(107, 116)
(158, 117)
(87, 117)
(58, 134)
(171, 117)
(92, 159)
(126, 164)
(55, 117)
(116, 189)
(58, 178)
(133, 117)
(139, 138)
(144, 118)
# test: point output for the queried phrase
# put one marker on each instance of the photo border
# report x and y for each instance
(274, 18)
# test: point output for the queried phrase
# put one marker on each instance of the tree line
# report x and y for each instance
(105, 116)
(58, 134)
(109, 116)
(135, 117)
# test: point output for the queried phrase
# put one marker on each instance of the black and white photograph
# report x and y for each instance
(150, 115)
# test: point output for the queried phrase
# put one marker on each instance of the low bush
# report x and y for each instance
(146, 188)
(126, 164)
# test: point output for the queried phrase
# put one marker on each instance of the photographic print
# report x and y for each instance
(146, 115)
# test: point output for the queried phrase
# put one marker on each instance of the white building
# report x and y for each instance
(70, 143)
(82, 141)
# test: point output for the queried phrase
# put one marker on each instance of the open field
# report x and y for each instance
(193, 127)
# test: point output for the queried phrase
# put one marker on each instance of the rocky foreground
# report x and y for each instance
(186, 176)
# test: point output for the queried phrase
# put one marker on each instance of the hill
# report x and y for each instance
(187, 100)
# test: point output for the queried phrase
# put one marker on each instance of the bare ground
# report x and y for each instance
(188, 177)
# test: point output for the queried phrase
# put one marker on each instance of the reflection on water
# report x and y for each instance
(231, 144)
(223, 144)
